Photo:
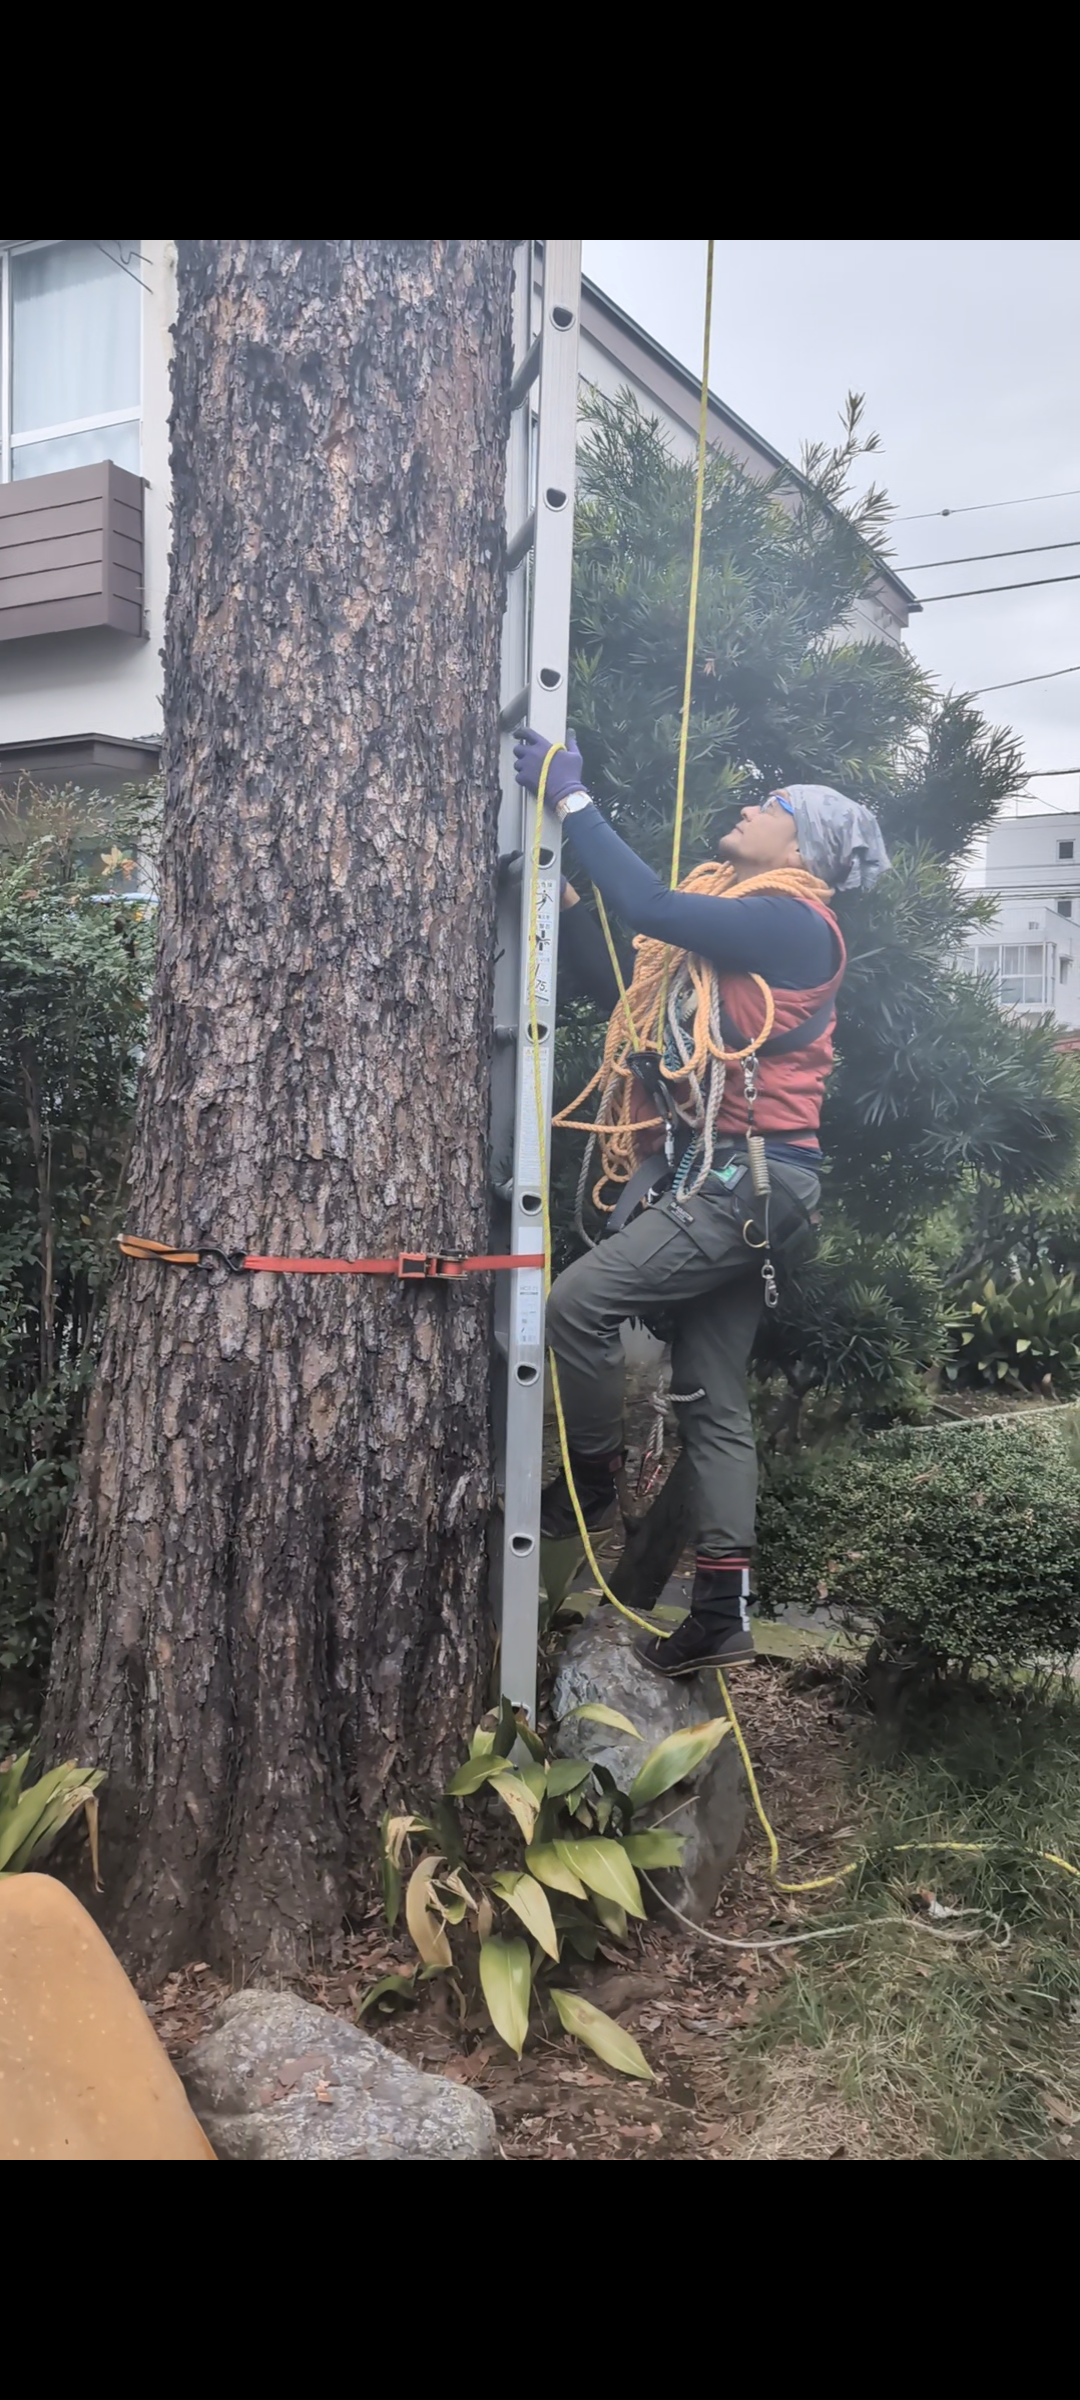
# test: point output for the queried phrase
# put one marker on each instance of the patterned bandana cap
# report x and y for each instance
(838, 838)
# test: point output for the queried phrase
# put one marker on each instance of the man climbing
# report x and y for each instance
(709, 1108)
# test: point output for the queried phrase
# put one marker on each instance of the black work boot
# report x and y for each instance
(717, 1631)
(597, 1491)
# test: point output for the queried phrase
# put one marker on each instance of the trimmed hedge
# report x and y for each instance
(969, 1535)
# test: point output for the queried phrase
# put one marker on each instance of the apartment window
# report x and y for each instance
(70, 356)
(1065, 849)
(1064, 908)
(1063, 970)
(1022, 975)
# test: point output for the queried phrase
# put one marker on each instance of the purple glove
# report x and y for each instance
(564, 773)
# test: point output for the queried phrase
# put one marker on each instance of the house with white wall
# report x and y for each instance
(1031, 951)
(85, 335)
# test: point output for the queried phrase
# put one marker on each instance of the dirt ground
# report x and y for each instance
(689, 2004)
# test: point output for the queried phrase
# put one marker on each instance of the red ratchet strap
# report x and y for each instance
(410, 1266)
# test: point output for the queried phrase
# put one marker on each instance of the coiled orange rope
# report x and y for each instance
(674, 991)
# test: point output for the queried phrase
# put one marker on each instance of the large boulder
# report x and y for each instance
(278, 2078)
(82, 2072)
(710, 1808)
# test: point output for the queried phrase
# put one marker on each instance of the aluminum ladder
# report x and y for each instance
(541, 459)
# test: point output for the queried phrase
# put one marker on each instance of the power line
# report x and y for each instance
(982, 591)
(974, 557)
(976, 507)
(981, 689)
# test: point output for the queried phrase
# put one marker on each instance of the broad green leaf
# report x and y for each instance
(596, 1713)
(547, 1866)
(483, 1742)
(506, 1731)
(612, 1917)
(519, 1800)
(584, 1938)
(530, 1902)
(566, 1775)
(559, 1563)
(391, 1891)
(600, 2033)
(426, 1929)
(604, 1866)
(401, 1986)
(445, 1828)
(11, 1783)
(654, 1849)
(65, 1804)
(395, 1832)
(532, 1741)
(674, 1759)
(506, 1981)
(534, 1778)
(25, 1825)
(475, 1772)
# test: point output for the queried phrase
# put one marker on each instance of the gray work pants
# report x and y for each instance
(686, 1260)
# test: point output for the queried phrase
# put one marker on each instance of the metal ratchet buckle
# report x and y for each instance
(426, 1266)
(231, 1260)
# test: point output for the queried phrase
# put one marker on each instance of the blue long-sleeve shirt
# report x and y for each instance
(768, 933)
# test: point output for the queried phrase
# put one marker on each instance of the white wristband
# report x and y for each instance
(571, 802)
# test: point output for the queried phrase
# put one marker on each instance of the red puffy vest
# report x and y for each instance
(790, 1086)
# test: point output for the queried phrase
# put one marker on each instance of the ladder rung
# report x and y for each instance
(521, 542)
(526, 375)
(515, 711)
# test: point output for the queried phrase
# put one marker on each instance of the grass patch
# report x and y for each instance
(948, 2049)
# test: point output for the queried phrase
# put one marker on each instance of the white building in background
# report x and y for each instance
(85, 342)
(1032, 949)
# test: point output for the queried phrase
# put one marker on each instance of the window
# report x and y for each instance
(1063, 970)
(1022, 972)
(1064, 908)
(1065, 849)
(70, 356)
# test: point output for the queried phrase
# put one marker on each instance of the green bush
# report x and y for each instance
(860, 1323)
(1027, 1334)
(74, 972)
(968, 1537)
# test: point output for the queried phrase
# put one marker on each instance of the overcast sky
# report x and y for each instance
(969, 356)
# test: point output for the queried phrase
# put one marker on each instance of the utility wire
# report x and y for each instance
(974, 557)
(983, 591)
(980, 692)
(976, 507)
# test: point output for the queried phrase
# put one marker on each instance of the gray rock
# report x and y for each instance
(598, 1663)
(278, 2078)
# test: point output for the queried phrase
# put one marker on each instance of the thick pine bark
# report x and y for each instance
(272, 1607)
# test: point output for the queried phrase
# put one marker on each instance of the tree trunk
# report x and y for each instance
(272, 1611)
